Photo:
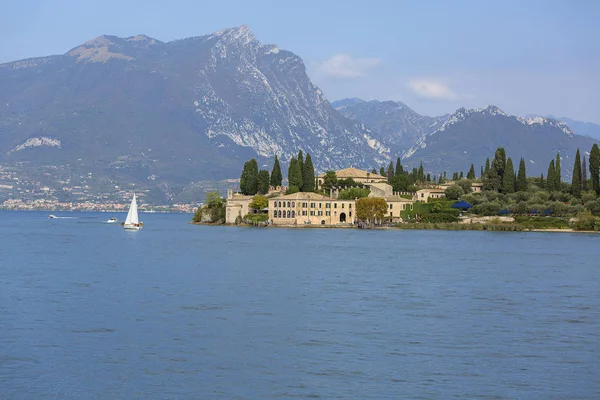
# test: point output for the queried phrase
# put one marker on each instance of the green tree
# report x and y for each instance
(259, 202)
(263, 181)
(471, 173)
(492, 180)
(576, 181)
(428, 177)
(487, 166)
(481, 172)
(353, 193)
(276, 177)
(301, 169)
(371, 209)
(308, 175)
(461, 176)
(557, 176)
(522, 177)
(374, 171)
(508, 182)
(329, 180)
(453, 192)
(382, 171)
(421, 173)
(551, 177)
(294, 174)
(400, 183)
(542, 184)
(249, 178)
(455, 176)
(584, 178)
(595, 168)
(390, 171)
(399, 168)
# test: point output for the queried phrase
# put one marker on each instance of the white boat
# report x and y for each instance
(112, 220)
(132, 222)
(51, 216)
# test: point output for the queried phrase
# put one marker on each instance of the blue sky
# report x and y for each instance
(527, 57)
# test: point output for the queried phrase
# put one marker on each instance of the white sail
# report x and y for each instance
(132, 215)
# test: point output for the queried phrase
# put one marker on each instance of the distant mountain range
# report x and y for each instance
(454, 142)
(138, 110)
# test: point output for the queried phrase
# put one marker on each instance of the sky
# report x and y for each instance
(537, 57)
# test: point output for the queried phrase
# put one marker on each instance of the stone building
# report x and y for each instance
(356, 174)
(237, 206)
(310, 208)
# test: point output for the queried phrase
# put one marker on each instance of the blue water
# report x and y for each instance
(175, 311)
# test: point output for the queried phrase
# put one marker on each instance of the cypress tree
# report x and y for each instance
(471, 173)
(557, 177)
(263, 181)
(428, 177)
(308, 175)
(382, 171)
(595, 168)
(276, 176)
(550, 177)
(399, 168)
(421, 173)
(487, 166)
(374, 171)
(249, 178)
(493, 178)
(584, 179)
(542, 181)
(522, 177)
(576, 181)
(455, 176)
(301, 168)
(294, 174)
(461, 175)
(508, 181)
(390, 171)
(481, 172)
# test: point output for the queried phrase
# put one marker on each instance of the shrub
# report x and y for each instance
(585, 221)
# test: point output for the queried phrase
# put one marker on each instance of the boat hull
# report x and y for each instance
(132, 227)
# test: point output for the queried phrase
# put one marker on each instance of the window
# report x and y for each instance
(275, 204)
(404, 206)
(350, 206)
(334, 205)
(350, 213)
(391, 206)
(288, 203)
(327, 213)
(312, 205)
(320, 205)
(343, 205)
(279, 204)
(293, 204)
(312, 213)
(288, 213)
(304, 213)
(327, 205)
(293, 214)
(279, 214)
(422, 195)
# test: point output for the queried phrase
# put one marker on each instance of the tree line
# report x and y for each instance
(301, 176)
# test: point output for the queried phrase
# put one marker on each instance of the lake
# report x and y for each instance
(176, 311)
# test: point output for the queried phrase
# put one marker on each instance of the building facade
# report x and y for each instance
(356, 174)
(310, 209)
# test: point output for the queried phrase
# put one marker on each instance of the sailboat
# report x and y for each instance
(132, 221)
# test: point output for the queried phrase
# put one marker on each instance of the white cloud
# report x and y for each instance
(343, 66)
(432, 89)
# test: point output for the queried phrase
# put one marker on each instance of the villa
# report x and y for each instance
(310, 209)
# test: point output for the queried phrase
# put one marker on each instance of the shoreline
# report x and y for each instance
(423, 227)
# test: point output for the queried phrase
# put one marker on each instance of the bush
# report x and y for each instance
(585, 221)
(454, 192)
(489, 208)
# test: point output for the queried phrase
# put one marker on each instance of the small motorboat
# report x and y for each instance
(112, 220)
(51, 216)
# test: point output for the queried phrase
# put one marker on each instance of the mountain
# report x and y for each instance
(140, 110)
(394, 122)
(583, 128)
(470, 136)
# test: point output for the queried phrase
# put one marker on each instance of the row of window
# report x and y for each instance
(304, 205)
(292, 214)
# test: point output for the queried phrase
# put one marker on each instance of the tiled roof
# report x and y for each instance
(355, 173)
(304, 196)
